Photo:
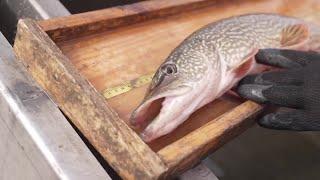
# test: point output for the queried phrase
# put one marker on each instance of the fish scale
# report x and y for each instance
(211, 61)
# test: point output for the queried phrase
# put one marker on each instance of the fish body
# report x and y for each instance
(212, 60)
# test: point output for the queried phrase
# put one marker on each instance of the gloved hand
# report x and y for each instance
(296, 86)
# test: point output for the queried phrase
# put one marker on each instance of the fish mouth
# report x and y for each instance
(146, 111)
(168, 119)
(152, 115)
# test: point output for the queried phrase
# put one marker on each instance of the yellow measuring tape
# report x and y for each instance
(127, 86)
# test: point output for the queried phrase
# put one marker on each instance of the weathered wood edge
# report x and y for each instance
(87, 109)
(64, 28)
(187, 151)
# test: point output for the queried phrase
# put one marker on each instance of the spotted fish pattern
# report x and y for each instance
(211, 60)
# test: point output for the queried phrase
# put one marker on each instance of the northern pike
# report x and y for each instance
(212, 60)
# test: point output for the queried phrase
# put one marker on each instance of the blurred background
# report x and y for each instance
(256, 154)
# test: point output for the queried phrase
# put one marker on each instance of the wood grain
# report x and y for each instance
(64, 28)
(124, 105)
(116, 45)
(189, 150)
(115, 141)
(111, 57)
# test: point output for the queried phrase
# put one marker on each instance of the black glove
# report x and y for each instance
(297, 86)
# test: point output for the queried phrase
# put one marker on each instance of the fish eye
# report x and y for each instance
(169, 69)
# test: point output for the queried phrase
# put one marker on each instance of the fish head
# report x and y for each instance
(174, 94)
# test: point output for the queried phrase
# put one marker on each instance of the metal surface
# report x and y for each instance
(29, 147)
(44, 145)
(79, 6)
(266, 154)
(12, 10)
(39, 9)
(200, 172)
(37, 141)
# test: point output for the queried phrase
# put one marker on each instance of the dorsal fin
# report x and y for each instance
(294, 34)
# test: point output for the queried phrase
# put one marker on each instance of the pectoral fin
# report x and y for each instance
(294, 35)
(246, 65)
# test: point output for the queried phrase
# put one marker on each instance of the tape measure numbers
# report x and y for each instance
(127, 86)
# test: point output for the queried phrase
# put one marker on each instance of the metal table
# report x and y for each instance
(36, 135)
(12, 10)
(37, 141)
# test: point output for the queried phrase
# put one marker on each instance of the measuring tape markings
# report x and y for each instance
(127, 86)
